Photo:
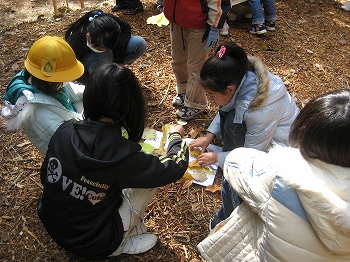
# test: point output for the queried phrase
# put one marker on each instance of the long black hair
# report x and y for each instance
(49, 88)
(114, 92)
(227, 67)
(104, 30)
(322, 128)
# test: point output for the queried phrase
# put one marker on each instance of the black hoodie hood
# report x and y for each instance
(89, 136)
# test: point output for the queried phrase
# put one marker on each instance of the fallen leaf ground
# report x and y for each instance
(309, 51)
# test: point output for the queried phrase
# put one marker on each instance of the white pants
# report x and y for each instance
(135, 201)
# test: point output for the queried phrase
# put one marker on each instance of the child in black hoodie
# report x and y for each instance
(96, 181)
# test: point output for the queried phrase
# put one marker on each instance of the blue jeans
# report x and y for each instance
(230, 200)
(135, 48)
(93, 60)
(233, 136)
(259, 16)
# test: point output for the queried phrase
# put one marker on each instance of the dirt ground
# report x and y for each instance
(309, 50)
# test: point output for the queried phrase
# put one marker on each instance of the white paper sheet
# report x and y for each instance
(211, 148)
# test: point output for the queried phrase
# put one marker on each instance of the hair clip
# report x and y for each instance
(99, 13)
(221, 52)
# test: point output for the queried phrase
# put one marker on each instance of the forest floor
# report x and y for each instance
(309, 50)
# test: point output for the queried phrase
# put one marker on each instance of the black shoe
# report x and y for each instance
(258, 29)
(133, 11)
(179, 100)
(188, 113)
(270, 25)
(119, 7)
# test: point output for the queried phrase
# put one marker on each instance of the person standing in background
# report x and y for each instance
(263, 20)
(129, 7)
(194, 28)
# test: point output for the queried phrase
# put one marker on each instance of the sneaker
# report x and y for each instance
(186, 113)
(270, 25)
(133, 11)
(119, 7)
(346, 7)
(224, 29)
(179, 100)
(136, 244)
(214, 220)
(160, 8)
(258, 29)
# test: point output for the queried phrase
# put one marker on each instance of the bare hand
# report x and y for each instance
(207, 159)
(200, 142)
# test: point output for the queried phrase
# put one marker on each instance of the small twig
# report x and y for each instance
(166, 94)
(21, 160)
(295, 28)
(202, 195)
(185, 249)
(30, 233)
(10, 153)
(148, 214)
(17, 178)
(30, 202)
(35, 182)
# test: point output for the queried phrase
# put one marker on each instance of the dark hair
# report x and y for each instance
(322, 128)
(104, 30)
(49, 88)
(113, 91)
(218, 73)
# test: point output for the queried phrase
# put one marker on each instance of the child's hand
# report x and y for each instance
(178, 128)
(200, 142)
(207, 159)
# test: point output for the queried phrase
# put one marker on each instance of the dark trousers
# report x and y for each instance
(233, 136)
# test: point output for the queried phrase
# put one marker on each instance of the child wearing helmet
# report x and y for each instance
(99, 38)
(40, 97)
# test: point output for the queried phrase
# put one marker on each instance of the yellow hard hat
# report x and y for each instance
(53, 60)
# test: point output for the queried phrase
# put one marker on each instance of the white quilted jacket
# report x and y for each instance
(293, 210)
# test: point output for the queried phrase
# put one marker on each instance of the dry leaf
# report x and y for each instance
(199, 175)
(152, 103)
(24, 144)
(14, 66)
(149, 134)
(182, 122)
(213, 188)
(193, 133)
(342, 41)
(195, 152)
(219, 226)
(193, 164)
(187, 176)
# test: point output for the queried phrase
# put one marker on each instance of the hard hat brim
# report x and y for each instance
(69, 74)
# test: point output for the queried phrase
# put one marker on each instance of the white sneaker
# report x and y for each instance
(346, 7)
(224, 29)
(136, 244)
